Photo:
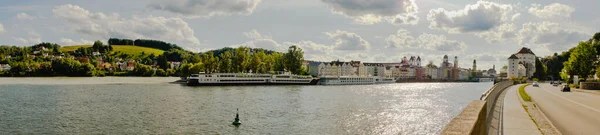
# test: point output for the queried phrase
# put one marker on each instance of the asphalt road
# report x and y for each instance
(572, 113)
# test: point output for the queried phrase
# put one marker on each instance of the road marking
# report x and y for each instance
(591, 108)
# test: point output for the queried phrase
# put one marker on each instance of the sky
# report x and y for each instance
(327, 30)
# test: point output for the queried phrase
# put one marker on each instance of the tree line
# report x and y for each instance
(245, 60)
(226, 60)
(157, 44)
(581, 60)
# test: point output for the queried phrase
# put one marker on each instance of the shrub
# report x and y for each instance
(574, 86)
(161, 72)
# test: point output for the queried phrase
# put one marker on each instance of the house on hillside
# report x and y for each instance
(174, 64)
(5, 67)
(42, 48)
(121, 65)
(100, 62)
(105, 66)
(96, 53)
(131, 65)
(125, 65)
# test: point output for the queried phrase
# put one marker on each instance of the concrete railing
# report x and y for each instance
(476, 117)
(471, 121)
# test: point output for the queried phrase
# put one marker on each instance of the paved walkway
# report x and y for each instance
(516, 121)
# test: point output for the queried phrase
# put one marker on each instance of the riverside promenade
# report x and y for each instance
(498, 112)
(515, 120)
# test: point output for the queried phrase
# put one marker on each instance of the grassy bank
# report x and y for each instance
(128, 49)
(523, 93)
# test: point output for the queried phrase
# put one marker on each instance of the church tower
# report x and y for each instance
(418, 61)
(474, 65)
(455, 61)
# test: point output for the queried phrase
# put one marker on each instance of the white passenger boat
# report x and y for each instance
(288, 78)
(249, 79)
(385, 80)
(347, 80)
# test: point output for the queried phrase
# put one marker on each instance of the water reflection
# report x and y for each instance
(407, 108)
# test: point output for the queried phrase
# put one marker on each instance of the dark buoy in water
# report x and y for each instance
(237, 121)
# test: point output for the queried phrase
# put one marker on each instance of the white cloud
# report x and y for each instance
(312, 50)
(357, 57)
(1, 28)
(100, 25)
(348, 41)
(374, 11)
(202, 8)
(551, 11)
(66, 41)
(34, 38)
(311, 47)
(503, 32)
(487, 57)
(515, 17)
(441, 43)
(258, 40)
(401, 39)
(549, 35)
(24, 16)
(482, 16)
(315, 51)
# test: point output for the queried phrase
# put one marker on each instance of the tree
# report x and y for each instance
(209, 61)
(184, 70)
(225, 62)
(596, 36)
(504, 69)
(294, 59)
(143, 70)
(540, 69)
(256, 63)
(431, 65)
(565, 73)
(196, 68)
(242, 56)
(268, 63)
(162, 62)
(97, 45)
(582, 60)
(278, 62)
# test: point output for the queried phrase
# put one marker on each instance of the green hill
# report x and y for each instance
(128, 49)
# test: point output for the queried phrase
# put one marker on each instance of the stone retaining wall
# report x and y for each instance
(589, 85)
(476, 118)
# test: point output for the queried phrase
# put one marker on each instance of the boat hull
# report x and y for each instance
(195, 82)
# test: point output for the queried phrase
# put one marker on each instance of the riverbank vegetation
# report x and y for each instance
(125, 57)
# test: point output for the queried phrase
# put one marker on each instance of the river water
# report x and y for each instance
(113, 105)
